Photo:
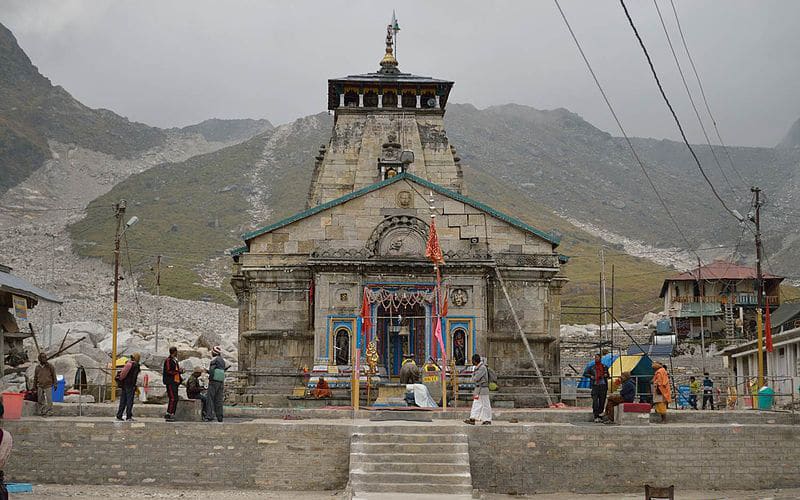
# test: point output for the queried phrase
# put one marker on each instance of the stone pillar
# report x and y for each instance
(341, 100)
(419, 101)
(437, 102)
(399, 100)
(380, 100)
(360, 99)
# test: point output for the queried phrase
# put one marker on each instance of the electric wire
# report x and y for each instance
(691, 99)
(622, 129)
(672, 111)
(703, 92)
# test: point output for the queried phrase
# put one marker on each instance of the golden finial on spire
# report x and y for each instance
(389, 62)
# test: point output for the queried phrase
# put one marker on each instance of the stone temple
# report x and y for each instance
(301, 281)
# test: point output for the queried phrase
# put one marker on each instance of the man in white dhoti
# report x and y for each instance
(481, 407)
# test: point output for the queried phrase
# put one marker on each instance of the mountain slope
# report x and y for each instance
(32, 111)
(792, 138)
(590, 176)
(191, 211)
(216, 130)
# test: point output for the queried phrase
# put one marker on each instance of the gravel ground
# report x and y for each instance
(54, 491)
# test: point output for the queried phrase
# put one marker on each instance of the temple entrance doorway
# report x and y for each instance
(401, 330)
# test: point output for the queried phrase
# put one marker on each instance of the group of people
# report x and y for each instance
(707, 389)
(172, 376)
(603, 405)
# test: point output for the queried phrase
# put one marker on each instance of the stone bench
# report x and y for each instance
(189, 410)
(632, 414)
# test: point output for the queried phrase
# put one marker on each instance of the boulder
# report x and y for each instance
(208, 340)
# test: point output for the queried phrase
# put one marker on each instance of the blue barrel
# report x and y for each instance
(766, 397)
(58, 389)
(684, 391)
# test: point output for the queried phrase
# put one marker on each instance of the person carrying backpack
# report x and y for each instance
(126, 379)
(481, 406)
(171, 376)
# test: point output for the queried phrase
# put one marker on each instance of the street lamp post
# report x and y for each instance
(119, 210)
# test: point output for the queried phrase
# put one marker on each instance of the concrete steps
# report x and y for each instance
(410, 460)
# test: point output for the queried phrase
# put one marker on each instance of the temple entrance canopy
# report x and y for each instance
(402, 324)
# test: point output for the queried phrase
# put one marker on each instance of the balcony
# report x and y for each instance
(738, 299)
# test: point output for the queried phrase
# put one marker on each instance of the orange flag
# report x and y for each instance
(432, 250)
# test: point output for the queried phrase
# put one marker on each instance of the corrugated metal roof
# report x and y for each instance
(413, 178)
(784, 313)
(720, 269)
(18, 286)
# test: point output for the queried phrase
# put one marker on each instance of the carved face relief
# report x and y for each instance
(459, 297)
(404, 199)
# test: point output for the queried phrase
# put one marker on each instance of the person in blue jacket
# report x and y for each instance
(627, 393)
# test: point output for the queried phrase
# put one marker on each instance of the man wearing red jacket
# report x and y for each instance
(171, 376)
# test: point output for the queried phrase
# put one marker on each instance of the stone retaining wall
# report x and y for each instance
(269, 455)
(306, 455)
(526, 459)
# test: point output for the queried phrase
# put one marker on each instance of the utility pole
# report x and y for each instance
(701, 289)
(604, 302)
(119, 213)
(760, 285)
(158, 294)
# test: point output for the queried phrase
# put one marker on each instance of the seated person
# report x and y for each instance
(409, 372)
(322, 390)
(626, 395)
(195, 389)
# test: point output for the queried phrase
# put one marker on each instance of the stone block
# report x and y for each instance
(457, 220)
(189, 410)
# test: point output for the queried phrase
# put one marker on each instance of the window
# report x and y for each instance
(390, 99)
(351, 99)
(409, 99)
(428, 100)
(341, 347)
(370, 99)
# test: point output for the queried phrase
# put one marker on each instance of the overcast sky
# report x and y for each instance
(173, 63)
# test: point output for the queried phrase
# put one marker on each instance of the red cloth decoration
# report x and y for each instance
(366, 320)
(768, 328)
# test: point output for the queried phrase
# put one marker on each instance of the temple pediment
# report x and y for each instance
(390, 221)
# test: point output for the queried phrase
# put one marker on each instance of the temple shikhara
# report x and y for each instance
(308, 285)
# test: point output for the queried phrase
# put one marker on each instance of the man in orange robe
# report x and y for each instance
(662, 395)
(322, 390)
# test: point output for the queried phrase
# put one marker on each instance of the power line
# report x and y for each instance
(674, 115)
(691, 99)
(703, 92)
(621, 128)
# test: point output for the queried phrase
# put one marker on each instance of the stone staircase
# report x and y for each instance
(410, 460)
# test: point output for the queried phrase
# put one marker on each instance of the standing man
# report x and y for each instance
(598, 381)
(481, 406)
(171, 376)
(216, 384)
(44, 377)
(127, 382)
(708, 391)
(662, 394)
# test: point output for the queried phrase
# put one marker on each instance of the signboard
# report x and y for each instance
(433, 381)
(20, 307)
